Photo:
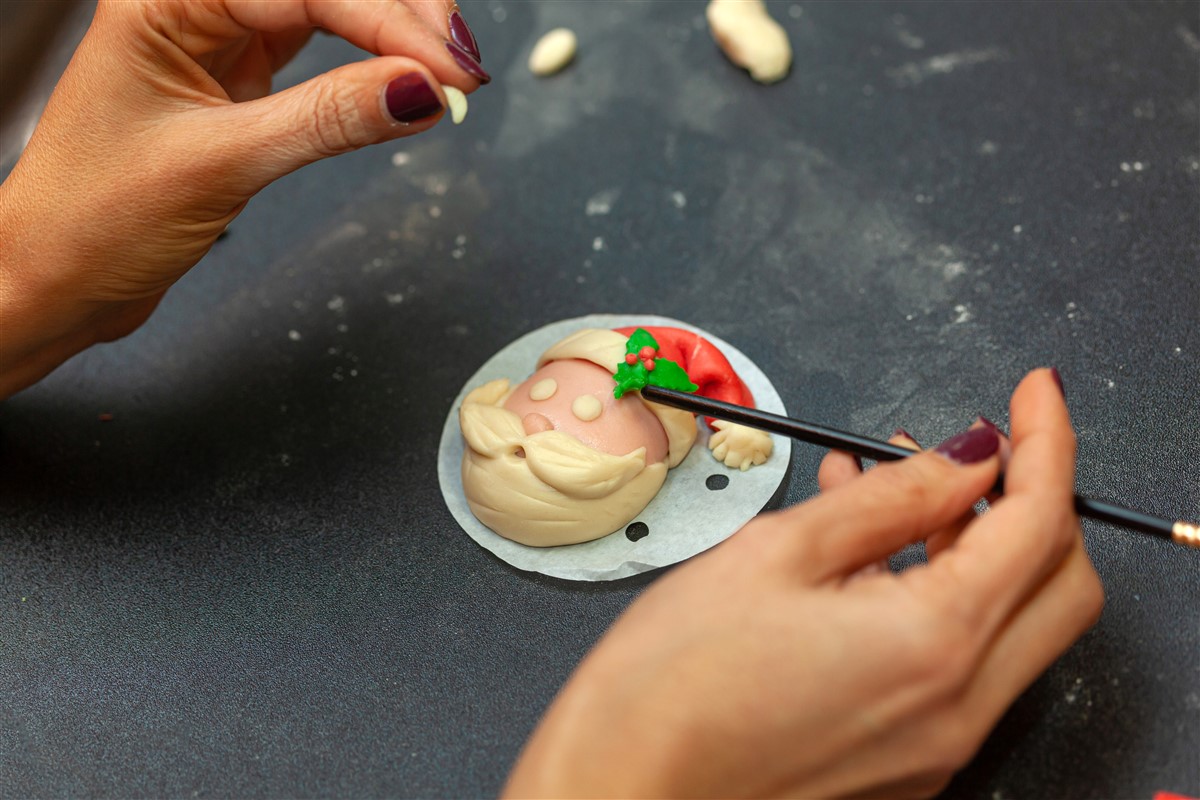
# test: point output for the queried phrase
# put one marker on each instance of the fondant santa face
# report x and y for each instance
(559, 460)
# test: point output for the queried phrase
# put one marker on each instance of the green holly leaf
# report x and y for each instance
(629, 378)
(669, 375)
(639, 339)
(635, 377)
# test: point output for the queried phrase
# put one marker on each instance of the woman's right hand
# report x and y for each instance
(781, 664)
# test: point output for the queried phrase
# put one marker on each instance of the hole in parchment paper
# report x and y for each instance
(717, 482)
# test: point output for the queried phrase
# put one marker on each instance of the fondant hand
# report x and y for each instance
(739, 446)
(162, 128)
(776, 665)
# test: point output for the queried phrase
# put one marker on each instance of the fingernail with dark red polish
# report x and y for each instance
(409, 98)
(971, 446)
(1058, 379)
(468, 63)
(460, 32)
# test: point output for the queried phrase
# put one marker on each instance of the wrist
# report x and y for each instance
(603, 737)
(43, 321)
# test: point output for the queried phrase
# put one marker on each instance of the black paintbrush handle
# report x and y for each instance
(1177, 531)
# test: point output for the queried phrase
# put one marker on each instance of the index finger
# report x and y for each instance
(382, 28)
(436, 13)
(1002, 557)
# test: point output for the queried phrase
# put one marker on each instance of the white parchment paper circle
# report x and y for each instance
(684, 519)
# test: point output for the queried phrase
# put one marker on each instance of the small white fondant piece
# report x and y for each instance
(587, 407)
(750, 38)
(458, 103)
(543, 390)
(553, 52)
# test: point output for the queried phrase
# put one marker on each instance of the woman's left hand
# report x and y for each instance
(161, 129)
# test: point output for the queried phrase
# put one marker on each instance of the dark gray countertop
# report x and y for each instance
(247, 584)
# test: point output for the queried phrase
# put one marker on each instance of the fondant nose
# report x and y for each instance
(534, 422)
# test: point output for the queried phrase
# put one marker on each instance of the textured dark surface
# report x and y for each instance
(246, 583)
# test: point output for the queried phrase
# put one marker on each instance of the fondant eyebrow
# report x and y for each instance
(543, 389)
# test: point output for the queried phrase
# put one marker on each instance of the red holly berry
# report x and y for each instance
(648, 364)
(647, 352)
(630, 359)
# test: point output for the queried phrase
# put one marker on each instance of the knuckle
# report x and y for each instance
(944, 653)
(1065, 530)
(947, 649)
(963, 618)
(336, 121)
(906, 484)
(956, 662)
(1052, 516)
(921, 486)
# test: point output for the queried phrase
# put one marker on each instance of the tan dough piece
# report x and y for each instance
(553, 52)
(738, 446)
(750, 38)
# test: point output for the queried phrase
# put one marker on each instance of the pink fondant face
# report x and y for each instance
(576, 397)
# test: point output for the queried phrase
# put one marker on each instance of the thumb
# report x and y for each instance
(339, 111)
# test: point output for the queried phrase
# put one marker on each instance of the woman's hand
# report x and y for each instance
(161, 129)
(781, 663)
